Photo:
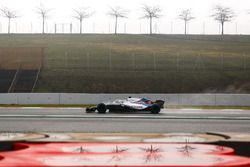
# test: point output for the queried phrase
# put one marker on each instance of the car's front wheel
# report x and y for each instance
(155, 109)
(101, 108)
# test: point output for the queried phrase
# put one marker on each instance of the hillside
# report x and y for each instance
(137, 63)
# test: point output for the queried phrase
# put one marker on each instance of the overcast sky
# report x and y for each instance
(100, 22)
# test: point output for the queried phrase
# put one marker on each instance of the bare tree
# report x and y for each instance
(10, 14)
(80, 14)
(223, 15)
(186, 16)
(44, 14)
(117, 12)
(151, 12)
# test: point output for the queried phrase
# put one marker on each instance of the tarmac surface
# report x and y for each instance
(35, 119)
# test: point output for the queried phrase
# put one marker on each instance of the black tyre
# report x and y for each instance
(101, 108)
(155, 109)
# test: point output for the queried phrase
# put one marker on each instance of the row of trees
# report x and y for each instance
(220, 13)
(10, 14)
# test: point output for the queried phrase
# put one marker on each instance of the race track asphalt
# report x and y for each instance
(77, 120)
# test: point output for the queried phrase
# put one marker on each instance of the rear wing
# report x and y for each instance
(160, 103)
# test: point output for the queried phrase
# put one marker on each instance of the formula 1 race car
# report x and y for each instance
(128, 105)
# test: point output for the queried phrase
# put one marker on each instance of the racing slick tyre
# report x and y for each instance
(155, 109)
(101, 108)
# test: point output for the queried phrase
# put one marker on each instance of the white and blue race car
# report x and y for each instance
(128, 105)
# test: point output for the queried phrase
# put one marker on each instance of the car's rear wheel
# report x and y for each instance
(155, 109)
(101, 108)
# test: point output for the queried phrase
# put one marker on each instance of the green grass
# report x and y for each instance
(95, 63)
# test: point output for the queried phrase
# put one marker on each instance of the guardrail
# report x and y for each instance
(84, 98)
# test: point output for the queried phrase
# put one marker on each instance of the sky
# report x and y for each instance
(62, 13)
